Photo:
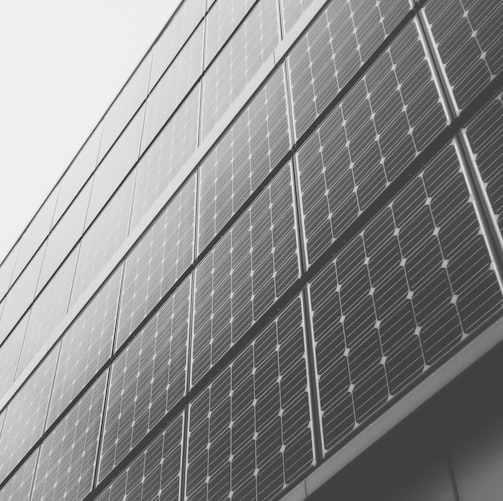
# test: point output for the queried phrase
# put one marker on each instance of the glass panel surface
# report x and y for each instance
(7, 269)
(18, 488)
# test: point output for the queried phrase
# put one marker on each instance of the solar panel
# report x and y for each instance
(65, 234)
(85, 346)
(401, 294)
(68, 454)
(19, 486)
(468, 37)
(147, 379)
(155, 473)
(176, 33)
(485, 133)
(104, 237)
(9, 355)
(48, 310)
(243, 157)
(173, 86)
(25, 416)
(6, 270)
(245, 273)
(21, 294)
(380, 126)
(292, 10)
(221, 22)
(125, 105)
(160, 164)
(116, 165)
(250, 430)
(239, 61)
(341, 39)
(161, 256)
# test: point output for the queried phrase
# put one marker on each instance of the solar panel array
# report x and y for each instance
(337, 242)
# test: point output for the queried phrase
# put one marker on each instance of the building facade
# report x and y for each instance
(274, 270)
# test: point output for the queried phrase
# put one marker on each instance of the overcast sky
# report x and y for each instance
(61, 64)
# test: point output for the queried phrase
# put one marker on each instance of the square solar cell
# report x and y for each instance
(246, 272)
(147, 379)
(485, 137)
(19, 486)
(103, 238)
(239, 61)
(86, 346)
(378, 129)
(157, 260)
(250, 429)
(341, 39)
(173, 86)
(468, 37)
(221, 22)
(68, 454)
(25, 415)
(155, 473)
(243, 157)
(165, 157)
(408, 289)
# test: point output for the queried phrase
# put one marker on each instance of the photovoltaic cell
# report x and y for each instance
(485, 135)
(159, 258)
(468, 37)
(9, 355)
(292, 10)
(48, 310)
(409, 288)
(173, 37)
(160, 164)
(245, 273)
(103, 238)
(126, 104)
(342, 38)
(68, 454)
(173, 86)
(116, 165)
(18, 488)
(25, 416)
(148, 379)
(378, 129)
(155, 473)
(85, 346)
(239, 61)
(221, 22)
(242, 158)
(6, 270)
(250, 430)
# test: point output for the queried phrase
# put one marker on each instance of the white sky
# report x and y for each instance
(61, 64)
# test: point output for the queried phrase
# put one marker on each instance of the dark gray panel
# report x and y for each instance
(221, 21)
(116, 165)
(18, 488)
(342, 38)
(243, 157)
(48, 310)
(174, 36)
(25, 418)
(239, 61)
(173, 86)
(250, 430)
(159, 258)
(408, 289)
(104, 237)
(245, 273)
(67, 455)
(155, 473)
(485, 135)
(125, 105)
(85, 346)
(378, 129)
(147, 379)
(468, 37)
(160, 164)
